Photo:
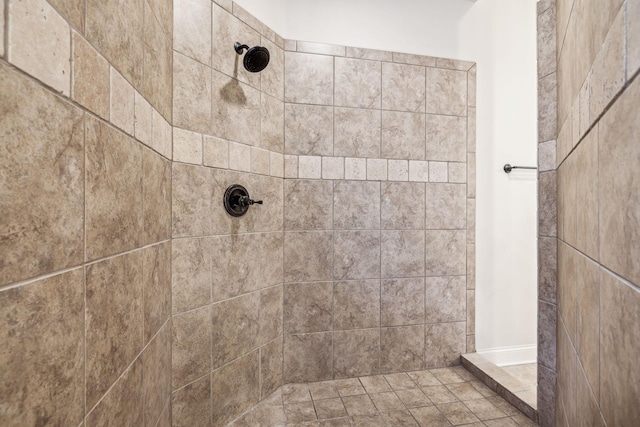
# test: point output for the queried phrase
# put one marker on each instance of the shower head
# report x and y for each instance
(256, 58)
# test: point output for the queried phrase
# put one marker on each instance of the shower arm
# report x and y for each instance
(240, 47)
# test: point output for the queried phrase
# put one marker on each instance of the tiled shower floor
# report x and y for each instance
(436, 397)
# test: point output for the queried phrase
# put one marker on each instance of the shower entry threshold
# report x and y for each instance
(521, 394)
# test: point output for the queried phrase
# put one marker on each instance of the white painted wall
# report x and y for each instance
(500, 35)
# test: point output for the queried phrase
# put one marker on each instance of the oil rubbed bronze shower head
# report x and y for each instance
(256, 58)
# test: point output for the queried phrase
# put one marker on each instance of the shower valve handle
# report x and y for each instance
(246, 201)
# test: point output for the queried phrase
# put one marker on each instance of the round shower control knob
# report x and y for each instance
(237, 201)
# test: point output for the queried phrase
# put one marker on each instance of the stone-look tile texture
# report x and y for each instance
(598, 275)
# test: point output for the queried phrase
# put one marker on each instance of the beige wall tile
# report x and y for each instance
(90, 80)
(376, 170)
(333, 168)
(192, 195)
(271, 356)
(356, 353)
(446, 206)
(445, 342)
(41, 146)
(402, 302)
(457, 173)
(2, 26)
(402, 205)
(276, 164)
(124, 403)
(547, 156)
(356, 304)
(445, 254)
(618, 183)
(403, 135)
(242, 376)
(39, 43)
(215, 152)
(403, 87)
(402, 348)
(192, 29)
(234, 269)
(446, 138)
(191, 405)
(163, 11)
(290, 166)
(418, 171)
(308, 307)
(271, 315)
(236, 325)
(191, 346)
(308, 129)
(471, 88)
(398, 170)
(308, 256)
(446, 92)
(402, 253)
(357, 83)
(320, 48)
(471, 130)
(50, 364)
(290, 45)
(408, 58)
(587, 195)
(356, 132)
(356, 205)
(239, 157)
(588, 314)
(114, 215)
(375, 55)
(310, 167)
(438, 172)
(156, 271)
(187, 146)
(471, 175)
(547, 108)
(162, 135)
(114, 320)
(454, 64)
(547, 335)
(227, 29)
(445, 299)
(307, 357)
(190, 273)
(156, 376)
(355, 168)
(122, 100)
(272, 123)
(308, 204)
(143, 119)
(356, 254)
(633, 37)
(471, 266)
(192, 94)
(272, 77)
(158, 62)
(308, 77)
(259, 161)
(116, 30)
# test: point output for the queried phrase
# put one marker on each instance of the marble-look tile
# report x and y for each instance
(547, 321)
(307, 78)
(191, 405)
(633, 38)
(355, 169)
(429, 416)
(308, 255)
(122, 103)
(90, 80)
(438, 172)
(619, 319)
(454, 64)
(239, 157)
(349, 387)
(589, 413)
(588, 316)
(464, 391)
(320, 48)
(191, 346)
(156, 197)
(290, 166)
(471, 130)
(356, 304)
(192, 29)
(356, 353)
(356, 205)
(446, 92)
(123, 405)
(114, 320)
(398, 170)
(187, 146)
(546, 395)
(156, 271)
(156, 375)
(330, 408)
(323, 390)
(308, 129)
(39, 43)
(296, 393)
(444, 343)
(360, 405)
(271, 357)
(227, 29)
(548, 221)
(566, 386)
(158, 62)
(236, 387)
(272, 123)
(401, 418)
(272, 77)
(547, 156)
(402, 253)
(471, 175)
(376, 169)
(386, 401)
(413, 398)
(233, 99)
(372, 54)
(619, 224)
(357, 83)
(457, 413)
(43, 374)
(235, 326)
(445, 299)
(446, 206)
(445, 252)
(41, 146)
(471, 92)
(401, 349)
(547, 268)
(356, 132)
(546, 36)
(424, 378)
(308, 204)
(332, 168)
(567, 287)
(471, 266)
(116, 31)
(418, 171)
(446, 138)
(298, 413)
(215, 152)
(547, 108)
(356, 254)
(161, 140)
(307, 357)
(409, 58)
(403, 135)
(402, 205)
(403, 87)
(439, 394)
(471, 221)
(191, 94)
(143, 120)
(308, 307)
(402, 302)
(192, 195)
(235, 265)
(310, 167)
(271, 314)
(276, 164)
(375, 384)
(71, 10)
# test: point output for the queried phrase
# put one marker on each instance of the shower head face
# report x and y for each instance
(256, 59)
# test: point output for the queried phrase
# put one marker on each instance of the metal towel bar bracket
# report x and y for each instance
(508, 168)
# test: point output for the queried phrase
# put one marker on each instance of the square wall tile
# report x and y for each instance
(90, 80)
(191, 346)
(271, 313)
(402, 205)
(272, 123)
(356, 304)
(356, 132)
(446, 138)
(445, 252)
(156, 272)
(272, 77)
(243, 377)
(376, 169)
(444, 343)
(315, 196)
(308, 307)
(356, 205)
(233, 99)
(446, 206)
(309, 78)
(271, 357)
(402, 253)
(156, 376)
(41, 146)
(446, 92)
(310, 167)
(40, 43)
(402, 302)
(158, 62)
(403, 87)
(402, 348)
(445, 299)
(356, 254)
(192, 196)
(235, 327)
(192, 29)
(398, 170)
(355, 169)
(191, 94)
(307, 357)
(122, 103)
(191, 273)
(191, 405)
(357, 83)
(356, 353)
(187, 146)
(308, 255)
(308, 129)
(403, 135)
